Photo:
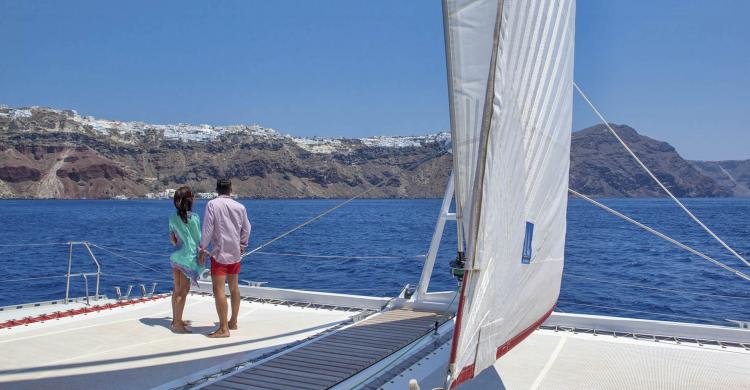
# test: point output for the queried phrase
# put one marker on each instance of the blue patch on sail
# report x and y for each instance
(526, 256)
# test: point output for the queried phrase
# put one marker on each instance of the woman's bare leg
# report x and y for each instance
(175, 288)
(185, 285)
(178, 300)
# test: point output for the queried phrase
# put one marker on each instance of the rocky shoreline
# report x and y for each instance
(58, 154)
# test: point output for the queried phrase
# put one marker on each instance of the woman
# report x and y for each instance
(185, 234)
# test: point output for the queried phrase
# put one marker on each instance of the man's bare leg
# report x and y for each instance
(221, 306)
(234, 290)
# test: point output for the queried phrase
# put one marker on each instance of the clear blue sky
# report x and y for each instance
(675, 70)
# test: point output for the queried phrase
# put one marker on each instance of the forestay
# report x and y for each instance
(512, 157)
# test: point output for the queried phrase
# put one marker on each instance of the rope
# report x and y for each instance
(45, 244)
(655, 288)
(659, 234)
(36, 278)
(340, 256)
(276, 254)
(130, 251)
(638, 311)
(648, 171)
(136, 277)
(127, 258)
(313, 219)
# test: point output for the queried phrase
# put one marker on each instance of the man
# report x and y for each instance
(227, 229)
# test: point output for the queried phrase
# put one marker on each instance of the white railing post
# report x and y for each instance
(98, 269)
(67, 276)
(429, 263)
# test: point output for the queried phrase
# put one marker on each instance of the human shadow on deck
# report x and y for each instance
(166, 354)
(166, 322)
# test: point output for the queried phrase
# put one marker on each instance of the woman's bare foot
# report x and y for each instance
(233, 326)
(219, 333)
(182, 329)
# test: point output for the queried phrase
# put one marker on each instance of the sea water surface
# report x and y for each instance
(611, 267)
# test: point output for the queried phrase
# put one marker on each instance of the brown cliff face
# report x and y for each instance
(733, 174)
(46, 155)
(601, 166)
(55, 154)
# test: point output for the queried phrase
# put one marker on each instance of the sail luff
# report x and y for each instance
(476, 210)
(451, 102)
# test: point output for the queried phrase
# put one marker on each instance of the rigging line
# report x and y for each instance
(315, 218)
(340, 256)
(44, 244)
(276, 254)
(137, 277)
(131, 251)
(638, 311)
(35, 278)
(127, 258)
(655, 288)
(663, 187)
(659, 234)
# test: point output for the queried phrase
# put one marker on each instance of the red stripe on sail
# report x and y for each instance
(457, 326)
(467, 372)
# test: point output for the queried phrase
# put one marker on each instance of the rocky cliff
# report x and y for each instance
(733, 175)
(46, 153)
(601, 166)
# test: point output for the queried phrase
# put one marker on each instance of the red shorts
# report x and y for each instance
(220, 269)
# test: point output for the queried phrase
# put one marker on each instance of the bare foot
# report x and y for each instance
(219, 333)
(233, 326)
(184, 322)
(182, 329)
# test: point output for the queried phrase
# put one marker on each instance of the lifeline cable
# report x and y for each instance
(568, 275)
(315, 218)
(127, 258)
(663, 187)
(659, 234)
(709, 320)
(375, 257)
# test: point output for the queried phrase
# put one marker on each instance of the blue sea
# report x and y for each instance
(611, 267)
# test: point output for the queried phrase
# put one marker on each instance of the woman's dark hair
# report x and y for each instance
(183, 202)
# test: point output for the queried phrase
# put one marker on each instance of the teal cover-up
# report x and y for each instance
(188, 235)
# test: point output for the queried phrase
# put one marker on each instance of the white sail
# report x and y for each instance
(469, 27)
(513, 181)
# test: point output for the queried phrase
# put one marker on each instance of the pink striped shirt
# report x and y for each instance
(226, 228)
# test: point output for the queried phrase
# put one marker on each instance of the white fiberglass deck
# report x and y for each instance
(132, 347)
(564, 359)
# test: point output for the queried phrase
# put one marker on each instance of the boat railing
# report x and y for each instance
(84, 275)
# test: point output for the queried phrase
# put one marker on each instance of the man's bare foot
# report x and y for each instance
(219, 333)
(184, 322)
(233, 325)
(182, 329)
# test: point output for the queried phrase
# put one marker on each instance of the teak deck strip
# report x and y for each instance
(324, 363)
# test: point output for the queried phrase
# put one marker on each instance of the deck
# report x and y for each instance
(331, 359)
(132, 346)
